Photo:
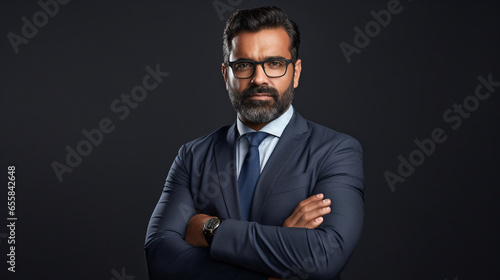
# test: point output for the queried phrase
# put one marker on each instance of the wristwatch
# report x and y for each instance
(209, 229)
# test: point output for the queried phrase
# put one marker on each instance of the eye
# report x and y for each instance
(243, 66)
(275, 63)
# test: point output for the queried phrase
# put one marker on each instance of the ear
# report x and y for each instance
(296, 75)
(224, 73)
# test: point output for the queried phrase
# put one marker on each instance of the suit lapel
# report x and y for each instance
(294, 134)
(225, 160)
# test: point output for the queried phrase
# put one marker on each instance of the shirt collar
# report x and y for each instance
(276, 127)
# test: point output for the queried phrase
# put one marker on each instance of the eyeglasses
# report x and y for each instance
(273, 68)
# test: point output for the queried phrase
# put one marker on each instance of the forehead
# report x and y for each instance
(260, 45)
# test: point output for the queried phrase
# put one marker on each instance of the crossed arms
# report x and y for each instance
(308, 245)
(308, 214)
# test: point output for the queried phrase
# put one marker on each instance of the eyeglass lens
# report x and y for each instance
(272, 68)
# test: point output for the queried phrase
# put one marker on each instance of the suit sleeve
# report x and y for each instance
(168, 255)
(298, 253)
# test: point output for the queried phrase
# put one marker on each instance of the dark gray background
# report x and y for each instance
(441, 223)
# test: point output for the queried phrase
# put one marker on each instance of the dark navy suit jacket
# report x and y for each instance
(307, 160)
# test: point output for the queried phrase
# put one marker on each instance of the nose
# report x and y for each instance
(259, 77)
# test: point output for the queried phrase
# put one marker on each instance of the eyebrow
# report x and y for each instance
(267, 58)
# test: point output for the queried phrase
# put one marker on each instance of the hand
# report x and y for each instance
(194, 231)
(309, 213)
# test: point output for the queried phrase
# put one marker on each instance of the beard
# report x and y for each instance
(261, 111)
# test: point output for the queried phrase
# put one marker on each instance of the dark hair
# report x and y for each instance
(257, 19)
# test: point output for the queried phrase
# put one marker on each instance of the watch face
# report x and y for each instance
(212, 224)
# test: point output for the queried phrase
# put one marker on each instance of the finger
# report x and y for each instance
(310, 208)
(309, 219)
(314, 223)
(309, 200)
(305, 202)
(308, 213)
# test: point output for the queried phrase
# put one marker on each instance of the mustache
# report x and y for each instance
(260, 89)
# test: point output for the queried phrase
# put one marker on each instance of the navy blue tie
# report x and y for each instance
(250, 171)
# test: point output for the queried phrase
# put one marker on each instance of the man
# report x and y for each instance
(272, 196)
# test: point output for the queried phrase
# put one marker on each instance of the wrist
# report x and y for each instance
(210, 227)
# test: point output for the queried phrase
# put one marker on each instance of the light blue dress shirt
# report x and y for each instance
(266, 148)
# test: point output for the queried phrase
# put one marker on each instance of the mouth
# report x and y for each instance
(260, 96)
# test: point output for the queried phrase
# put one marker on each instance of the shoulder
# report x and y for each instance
(204, 142)
(324, 136)
(335, 152)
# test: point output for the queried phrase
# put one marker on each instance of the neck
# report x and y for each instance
(255, 126)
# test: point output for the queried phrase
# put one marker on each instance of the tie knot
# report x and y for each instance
(255, 138)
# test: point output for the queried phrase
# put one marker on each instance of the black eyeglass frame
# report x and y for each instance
(255, 63)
